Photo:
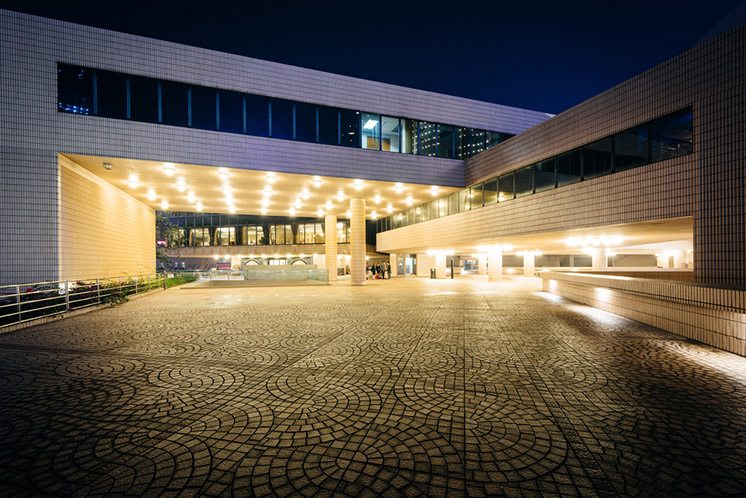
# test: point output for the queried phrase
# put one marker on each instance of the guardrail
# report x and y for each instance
(25, 302)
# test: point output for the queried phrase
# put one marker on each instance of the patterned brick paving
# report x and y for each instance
(404, 387)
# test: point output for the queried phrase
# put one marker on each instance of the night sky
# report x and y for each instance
(546, 56)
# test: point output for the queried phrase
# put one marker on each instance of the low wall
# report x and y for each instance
(710, 315)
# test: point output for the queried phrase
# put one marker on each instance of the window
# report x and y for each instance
(464, 200)
(310, 233)
(328, 126)
(476, 196)
(143, 99)
(427, 144)
(490, 192)
(111, 95)
(409, 136)
(280, 234)
(203, 108)
(443, 207)
(671, 136)
(506, 185)
(524, 181)
(445, 141)
(453, 203)
(282, 119)
(74, 89)
(631, 148)
(469, 142)
(495, 137)
(231, 107)
(390, 134)
(305, 122)
(199, 237)
(257, 115)
(176, 237)
(349, 128)
(597, 158)
(568, 168)
(252, 235)
(544, 175)
(342, 232)
(174, 104)
(370, 131)
(225, 236)
(318, 237)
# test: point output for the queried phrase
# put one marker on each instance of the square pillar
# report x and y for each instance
(440, 265)
(599, 261)
(482, 264)
(357, 241)
(529, 264)
(330, 245)
(495, 264)
(394, 263)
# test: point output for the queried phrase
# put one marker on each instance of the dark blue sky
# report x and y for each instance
(546, 56)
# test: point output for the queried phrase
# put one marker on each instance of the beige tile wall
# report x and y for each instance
(103, 232)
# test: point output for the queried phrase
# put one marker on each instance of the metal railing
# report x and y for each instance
(25, 302)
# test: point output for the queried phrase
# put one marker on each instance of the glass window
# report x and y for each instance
(174, 103)
(442, 207)
(305, 122)
(597, 158)
(328, 126)
(490, 192)
(260, 240)
(631, 148)
(111, 96)
(544, 175)
(390, 134)
(476, 196)
(506, 185)
(495, 137)
(445, 141)
(74, 89)
(282, 119)
(300, 234)
(318, 233)
(524, 181)
(231, 111)
(143, 99)
(349, 129)
(288, 234)
(453, 203)
(341, 232)
(257, 115)
(419, 214)
(252, 235)
(280, 234)
(568, 168)
(204, 108)
(176, 237)
(428, 141)
(225, 236)
(464, 200)
(199, 237)
(671, 136)
(370, 130)
(409, 136)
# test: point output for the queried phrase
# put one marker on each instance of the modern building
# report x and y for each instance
(262, 162)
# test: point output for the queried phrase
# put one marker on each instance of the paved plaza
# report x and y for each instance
(403, 387)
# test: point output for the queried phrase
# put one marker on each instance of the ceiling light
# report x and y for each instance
(373, 215)
(348, 214)
(271, 178)
(340, 195)
(199, 206)
(151, 194)
(320, 212)
(107, 166)
(180, 184)
(358, 184)
(298, 203)
(316, 181)
(292, 211)
(133, 180)
(263, 210)
(398, 188)
(232, 209)
(169, 169)
(305, 194)
(191, 197)
(390, 208)
(409, 201)
(328, 205)
(377, 199)
(164, 205)
(267, 189)
(265, 203)
(223, 173)
(434, 190)
(370, 124)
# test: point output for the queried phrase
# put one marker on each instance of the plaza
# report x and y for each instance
(402, 387)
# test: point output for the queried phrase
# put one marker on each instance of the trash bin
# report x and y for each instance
(432, 273)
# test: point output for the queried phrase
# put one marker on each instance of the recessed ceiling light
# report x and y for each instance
(434, 190)
(328, 205)
(151, 194)
(169, 169)
(180, 184)
(191, 197)
(316, 181)
(377, 199)
(390, 208)
(320, 212)
(398, 188)
(340, 195)
(263, 210)
(373, 215)
(370, 124)
(164, 205)
(358, 184)
(232, 209)
(199, 206)
(267, 189)
(348, 214)
(305, 194)
(108, 166)
(298, 203)
(292, 211)
(271, 178)
(409, 201)
(133, 181)
(223, 173)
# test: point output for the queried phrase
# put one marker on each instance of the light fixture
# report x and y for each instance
(271, 178)
(377, 199)
(267, 190)
(151, 194)
(292, 211)
(224, 174)
(263, 210)
(373, 215)
(409, 201)
(298, 203)
(340, 195)
(305, 194)
(328, 205)
(398, 188)
(180, 184)
(501, 198)
(320, 212)
(107, 166)
(316, 181)
(265, 202)
(191, 197)
(133, 181)
(434, 190)
(370, 124)
(348, 214)
(358, 185)
(389, 208)
(169, 169)
(164, 205)
(198, 206)
(232, 209)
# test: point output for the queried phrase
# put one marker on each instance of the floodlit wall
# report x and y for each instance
(103, 232)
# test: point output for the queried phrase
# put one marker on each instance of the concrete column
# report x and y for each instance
(599, 259)
(482, 264)
(440, 265)
(495, 264)
(663, 260)
(679, 259)
(330, 245)
(529, 264)
(394, 263)
(357, 241)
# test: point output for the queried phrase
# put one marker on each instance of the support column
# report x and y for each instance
(482, 264)
(440, 265)
(679, 259)
(495, 264)
(394, 263)
(357, 241)
(330, 245)
(529, 264)
(599, 259)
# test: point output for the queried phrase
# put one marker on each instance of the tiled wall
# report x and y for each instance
(103, 232)
(33, 132)
(708, 185)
